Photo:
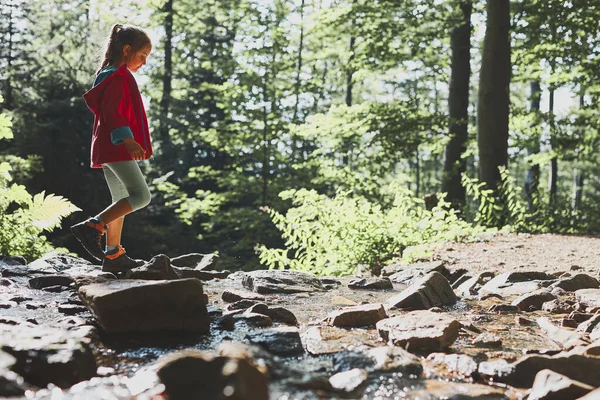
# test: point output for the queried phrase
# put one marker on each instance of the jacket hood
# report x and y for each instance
(93, 97)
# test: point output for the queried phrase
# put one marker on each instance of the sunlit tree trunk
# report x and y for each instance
(532, 178)
(167, 78)
(553, 177)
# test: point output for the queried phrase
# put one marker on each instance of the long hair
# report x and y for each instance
(121, 36)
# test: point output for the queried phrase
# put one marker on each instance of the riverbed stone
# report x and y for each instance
(371, 283)
(487, 340)
(566, 339)
(253, 319)
(232, 295)
(281, 341)
(432, 290)
(193, 374)
(197, 261)
(534, 300)
(158, 268)
(44, 354)
(277, 314)
(549, 385)
(420, 331)
(364, 315)
(471, 286)
(434, 389)
(202, 274)
(450, 366)
(517, 283)
(281, 281)
(138, 305)
(522, 372)
(577, 282)
(557, 306)
(349, 381)
(589, 298)
(591, 326)
(45, 281)
(407, 274)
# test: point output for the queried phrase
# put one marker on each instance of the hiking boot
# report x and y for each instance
(89, 233)
(117, 261)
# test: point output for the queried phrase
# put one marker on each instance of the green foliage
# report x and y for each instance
(24, 217)
(334, 235)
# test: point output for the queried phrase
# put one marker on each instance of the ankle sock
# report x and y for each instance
(111, 248)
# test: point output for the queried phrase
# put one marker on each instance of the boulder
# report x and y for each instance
(517, 283)
(283, 341)
(371, 283)
(577, 282)
(549, 385)
(432, 290)
(407, 274)
(137, 305)
(420, 331)
(277, 314)
(364, 315)
(197, 261)
(158, 268)
(232, 295)
(534, 300)
(281, 281)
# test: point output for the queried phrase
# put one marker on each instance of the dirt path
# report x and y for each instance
(506, 252)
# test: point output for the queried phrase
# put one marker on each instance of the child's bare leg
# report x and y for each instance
(115, 211)
(113, 232)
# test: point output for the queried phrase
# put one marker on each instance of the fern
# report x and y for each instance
(48, 211)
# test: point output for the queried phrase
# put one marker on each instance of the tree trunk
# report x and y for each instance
(579, 176)
(165, 101)
(299, 66)
(493, 97)
(532, 178)
(458, 105)
(553, 178)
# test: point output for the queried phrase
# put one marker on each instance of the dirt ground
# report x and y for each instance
(507, 252)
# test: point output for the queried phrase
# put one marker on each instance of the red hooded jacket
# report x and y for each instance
(116, 102)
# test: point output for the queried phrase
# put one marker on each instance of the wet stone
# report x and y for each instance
(197, 261)
(551, 385)
(504, 308)
(371, 283)
(534, 300)
(591, 326)
(378, 359)
(457, 391)
(471, 286)
(253, 319)
(203, 275)
(281, 281)
(568, 323)
(349, 381)
(231, 296)
(71, 309)
(450, 366)
(138, 305)
(241, 305)
(557, 306)
(487, 340)
(7, 282)
(284, 341)
(56, 289)
(277, 314)
(430, 291)
(577, 282)
(580, 317)
(158, 268)
(50, 280)
(419, 331)
(34, 305)
(368, 314)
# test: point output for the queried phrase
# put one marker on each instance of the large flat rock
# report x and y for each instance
(420, 331)
(432, 290)
(138, 305)
(517, 283)
(275, 281)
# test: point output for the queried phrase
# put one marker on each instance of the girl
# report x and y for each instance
(120, 138)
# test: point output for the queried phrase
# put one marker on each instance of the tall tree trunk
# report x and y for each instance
(579, 176)
(494, 99)
(532, 179)
(165, 101)
(350, 73)
(553, 178)
(8, 89)
(458, 105)
(299, 65)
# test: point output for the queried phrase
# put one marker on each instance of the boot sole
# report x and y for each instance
(94, 252)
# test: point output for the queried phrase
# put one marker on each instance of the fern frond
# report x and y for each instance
(48, 211)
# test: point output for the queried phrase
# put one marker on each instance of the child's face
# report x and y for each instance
(136, 60)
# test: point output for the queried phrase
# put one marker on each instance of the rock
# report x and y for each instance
(342, 301)
(364, 315)
(550, 385)
(57, 289)
(591, 326)
(409, 273)
(580, 317)
(13, 385)
(589, 298)
(253, 319)
(277, 314)
(558, 291)
(471, 286)
(593, 395)
(283, 341)
(449, 366)
(329, 280)
(522, 372)
(419, 331)
(568, 323)
(577, 282)
(379, 359)
(517, 283)
(50, 280)
(434, 389)
(203, 275)
(522, 321)
(487, 340)
(193, 374)
(534, 300)
(7, 282)
(158, 268)
(197, 261)
(281, 281)
(12, 260)
(45, 354)
(504, 308)
(231, 296)
(71, 309)
(137, 305)
(564, 338)
(349, 381)
(241, 305)
(430, 291)
(371, 283)
(557, 306)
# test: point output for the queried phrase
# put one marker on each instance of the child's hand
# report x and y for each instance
(135, 150)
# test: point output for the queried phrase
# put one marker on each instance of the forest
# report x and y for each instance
(316, 135)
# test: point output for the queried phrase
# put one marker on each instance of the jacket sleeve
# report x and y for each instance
(114, 110)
